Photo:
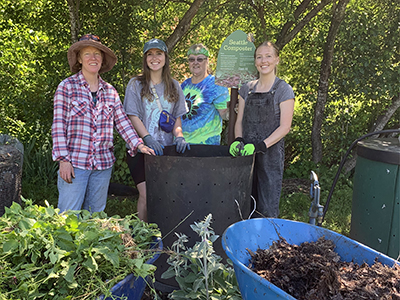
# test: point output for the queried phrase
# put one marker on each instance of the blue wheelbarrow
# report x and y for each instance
(131, 287)
(261, 233)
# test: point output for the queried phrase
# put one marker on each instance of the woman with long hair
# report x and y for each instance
(146, 96)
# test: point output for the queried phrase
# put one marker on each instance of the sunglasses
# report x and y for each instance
(89, 37)
(198, 59)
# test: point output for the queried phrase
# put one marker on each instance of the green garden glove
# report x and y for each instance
(236, 147)
(249, 149)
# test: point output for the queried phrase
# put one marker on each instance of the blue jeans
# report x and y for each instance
(88, 190)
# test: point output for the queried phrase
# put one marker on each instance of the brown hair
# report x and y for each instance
(170, 91)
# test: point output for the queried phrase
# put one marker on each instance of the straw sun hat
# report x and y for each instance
(109, 58)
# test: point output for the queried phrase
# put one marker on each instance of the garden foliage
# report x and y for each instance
(198, 270)
(73, 255)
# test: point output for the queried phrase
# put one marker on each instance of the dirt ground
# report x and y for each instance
(313, 271)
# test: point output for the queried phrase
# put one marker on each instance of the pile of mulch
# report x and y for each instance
(313, 270)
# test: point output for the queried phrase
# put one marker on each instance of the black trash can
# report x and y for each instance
(203, 180)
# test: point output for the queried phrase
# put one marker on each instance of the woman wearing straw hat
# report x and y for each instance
(146, 95)
(86, 110)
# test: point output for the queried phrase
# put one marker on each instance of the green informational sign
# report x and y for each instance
(235, 65)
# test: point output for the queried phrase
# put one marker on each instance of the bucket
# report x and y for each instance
(131, 287)
(261, 233)
(185, 188)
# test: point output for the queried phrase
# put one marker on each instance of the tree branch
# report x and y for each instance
(299, 10)
(285, 38)
(184, 25)
(260, 13)
(380, 123)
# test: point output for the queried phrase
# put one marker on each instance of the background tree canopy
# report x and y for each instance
(362, 88)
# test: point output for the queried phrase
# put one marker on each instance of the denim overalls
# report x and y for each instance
(259, 121)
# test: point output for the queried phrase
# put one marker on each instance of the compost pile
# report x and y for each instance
(313, 270)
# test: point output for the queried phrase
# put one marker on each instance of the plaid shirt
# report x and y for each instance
(82, 132)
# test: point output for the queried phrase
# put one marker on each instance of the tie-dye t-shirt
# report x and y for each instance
(202, 124)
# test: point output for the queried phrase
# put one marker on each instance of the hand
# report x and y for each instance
(249, 149)
(181, 144)
(153, 144)
(236, 147)
(142, 148)
(261, 148)
(66, 171)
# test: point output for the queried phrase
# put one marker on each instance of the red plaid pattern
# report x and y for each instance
(83, 132)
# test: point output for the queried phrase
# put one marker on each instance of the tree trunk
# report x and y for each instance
(380, 123)
(73, 7)
(184, 25)
(11, 158)
(259, 8)
(322, 96)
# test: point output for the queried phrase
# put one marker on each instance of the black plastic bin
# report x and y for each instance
(203, 180)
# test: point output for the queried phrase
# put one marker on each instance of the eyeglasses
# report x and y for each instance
(89, 37)
(198, 59)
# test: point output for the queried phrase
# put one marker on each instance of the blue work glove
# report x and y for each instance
(153, 144)
(181, 144)
(237, 147)
(249, 149)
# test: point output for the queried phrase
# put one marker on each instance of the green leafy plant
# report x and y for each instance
(73, 255)
(198, 270)
(38, 166)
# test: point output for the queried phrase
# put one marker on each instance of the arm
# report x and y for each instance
(177, 131)
(59, 126)
(132, 104)
(127, 131)
(138, 125)
(59, 134)
(239, 118)
(222, 100)
(223, 113)
(287, 109)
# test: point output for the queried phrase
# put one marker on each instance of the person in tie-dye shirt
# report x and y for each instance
(206, 101)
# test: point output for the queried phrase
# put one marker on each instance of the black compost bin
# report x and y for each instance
(203, 180)
(376, 195)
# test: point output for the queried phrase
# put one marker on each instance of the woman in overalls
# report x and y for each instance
(265, 113)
